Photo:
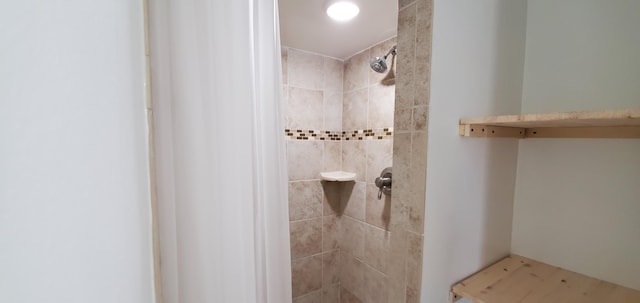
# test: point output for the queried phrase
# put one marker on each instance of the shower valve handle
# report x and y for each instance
(384, 182)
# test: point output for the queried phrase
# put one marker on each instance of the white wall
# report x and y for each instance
(577, 201)
(74, 198)
(477, 67)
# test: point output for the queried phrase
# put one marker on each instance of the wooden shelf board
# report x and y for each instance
(519, 279)
(597, 124)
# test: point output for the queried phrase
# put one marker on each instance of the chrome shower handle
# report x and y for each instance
(384, 182)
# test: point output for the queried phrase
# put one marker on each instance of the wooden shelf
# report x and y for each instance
(598, 124)
(518, 279)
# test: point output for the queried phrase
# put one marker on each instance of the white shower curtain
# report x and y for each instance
(219, 151)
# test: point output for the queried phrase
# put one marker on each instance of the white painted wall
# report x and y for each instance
(74, 198)
(477, 67)
(577, 201)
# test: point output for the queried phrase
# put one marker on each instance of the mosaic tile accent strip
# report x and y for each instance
(326, 135)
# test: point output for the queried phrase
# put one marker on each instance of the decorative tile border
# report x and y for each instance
(327, 135)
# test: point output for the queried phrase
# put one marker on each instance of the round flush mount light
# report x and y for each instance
(342, 11)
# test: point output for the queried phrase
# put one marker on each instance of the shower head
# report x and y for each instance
(379, 64)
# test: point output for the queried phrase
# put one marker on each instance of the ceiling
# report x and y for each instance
(305, 25)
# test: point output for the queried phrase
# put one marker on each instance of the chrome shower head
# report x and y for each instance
(379, 64)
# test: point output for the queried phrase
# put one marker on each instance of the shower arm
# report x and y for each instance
(392, 51)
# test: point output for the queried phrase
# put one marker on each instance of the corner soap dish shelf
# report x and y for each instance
(337, 176)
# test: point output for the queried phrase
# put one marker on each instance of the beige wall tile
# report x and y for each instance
(332, 110)
(397, 256)
(354, 109)
(402, 120)
(356, 71)
(352, 236)
(304, 109)
(379, 157)
(378, 212)
(284, 100)
(330, 233)
(352, 275)
(399, 216)
(417, 182)
(300, 159)
(305, 69)
(414, 261)
(396, 290)
(380, 50)
(355, 202)
(376, 247)
(332, 200)
(376, 286)
(284, 59)
(413, 295)
(348, 297)
(405, 70)
(354, 158)
(332, 156)
(331, 293)
(306, 275)
(305, 200)
(306, 238)
(423, 51)
(381, 106)
(401, 171)
(404, 91)
(404, 3)
(333, 70)
(314, 297)
(330, 268)
(420, 118)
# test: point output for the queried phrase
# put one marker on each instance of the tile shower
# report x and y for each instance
(339, 116)
(346, 245)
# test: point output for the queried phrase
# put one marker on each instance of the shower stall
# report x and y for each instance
(339, 226)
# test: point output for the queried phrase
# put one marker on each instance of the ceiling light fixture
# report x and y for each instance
(343, 11)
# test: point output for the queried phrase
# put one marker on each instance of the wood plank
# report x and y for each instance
(482, 284)
(626, 117)
(489, 131)
(584, 132)
(519, 279)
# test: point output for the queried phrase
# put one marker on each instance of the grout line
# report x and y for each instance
(309, 52)
(407, 5)
(307, 88)
(372, 46)
(304, 180)
(315, 255)
(322, 255)
(309, 294)
(306, 220)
